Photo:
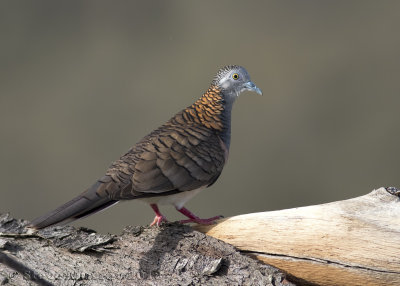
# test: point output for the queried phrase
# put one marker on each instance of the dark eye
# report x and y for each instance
(235, 76)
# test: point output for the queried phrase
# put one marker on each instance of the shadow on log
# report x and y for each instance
(170, 255)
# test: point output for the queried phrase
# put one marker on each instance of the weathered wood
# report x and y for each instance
(350, 242)
(170, 255)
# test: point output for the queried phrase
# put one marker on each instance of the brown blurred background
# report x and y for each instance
(82, 81)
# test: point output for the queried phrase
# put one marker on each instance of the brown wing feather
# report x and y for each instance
(178, 156)
(184, 154)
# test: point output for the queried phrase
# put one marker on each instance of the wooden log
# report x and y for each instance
(172, 254)
(350, 242)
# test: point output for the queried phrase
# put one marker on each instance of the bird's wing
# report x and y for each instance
(171, 159)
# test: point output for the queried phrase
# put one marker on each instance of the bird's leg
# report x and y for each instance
(196, 219)
(159, 218)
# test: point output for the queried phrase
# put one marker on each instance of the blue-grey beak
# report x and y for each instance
(252, 87)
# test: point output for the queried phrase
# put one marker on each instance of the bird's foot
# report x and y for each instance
(158, 220)
(159, 217)
(196, 219)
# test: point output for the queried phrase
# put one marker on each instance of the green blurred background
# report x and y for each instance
(82, 81)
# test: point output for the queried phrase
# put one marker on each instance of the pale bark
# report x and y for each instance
(350, 242)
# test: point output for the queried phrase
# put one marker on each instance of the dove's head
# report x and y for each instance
(232, 80)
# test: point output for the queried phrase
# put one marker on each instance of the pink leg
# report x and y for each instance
(196, 219)
(159, 217)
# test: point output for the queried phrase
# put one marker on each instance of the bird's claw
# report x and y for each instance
(158, 219)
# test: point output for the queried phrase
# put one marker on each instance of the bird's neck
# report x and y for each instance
(213, 110)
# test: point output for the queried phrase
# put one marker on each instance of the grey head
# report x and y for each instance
(232, 80)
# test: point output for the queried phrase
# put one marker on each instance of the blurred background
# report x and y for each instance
(82, 81)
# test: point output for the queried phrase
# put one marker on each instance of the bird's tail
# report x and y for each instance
(87, 203)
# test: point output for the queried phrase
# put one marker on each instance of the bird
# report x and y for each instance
(171, 164)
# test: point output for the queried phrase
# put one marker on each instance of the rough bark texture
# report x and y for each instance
(170, 255)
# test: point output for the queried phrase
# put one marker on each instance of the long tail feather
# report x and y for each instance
(81, 206)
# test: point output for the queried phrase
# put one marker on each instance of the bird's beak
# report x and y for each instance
(252, 87)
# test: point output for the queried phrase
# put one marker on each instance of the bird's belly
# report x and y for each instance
(178, 200)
